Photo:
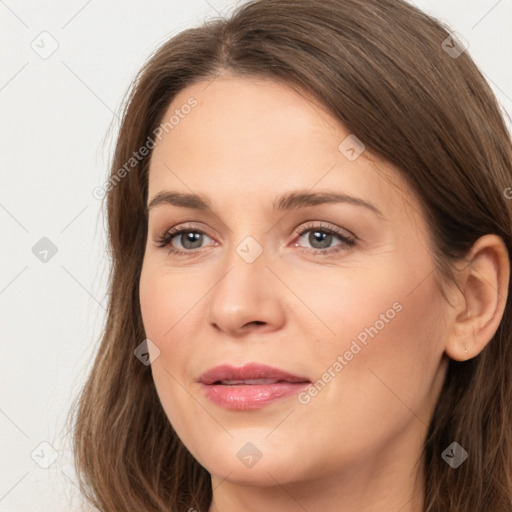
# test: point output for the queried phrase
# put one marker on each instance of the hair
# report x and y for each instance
(380, 68)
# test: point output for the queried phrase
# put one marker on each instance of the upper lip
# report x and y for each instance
(246, 372)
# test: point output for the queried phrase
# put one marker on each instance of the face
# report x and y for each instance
(340, 293)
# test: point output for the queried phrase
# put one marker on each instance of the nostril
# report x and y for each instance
(254, 322)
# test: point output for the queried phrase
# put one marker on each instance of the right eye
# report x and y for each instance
(189, 238)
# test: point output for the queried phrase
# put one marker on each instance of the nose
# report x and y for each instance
(247, 297)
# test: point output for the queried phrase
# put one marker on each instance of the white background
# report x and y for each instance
(54, 151)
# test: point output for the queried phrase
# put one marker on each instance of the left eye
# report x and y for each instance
(320, 238)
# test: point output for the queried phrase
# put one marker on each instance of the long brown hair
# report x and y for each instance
(384, 70)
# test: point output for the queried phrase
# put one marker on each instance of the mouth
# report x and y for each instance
(252, 386)
(249, 374)
(250, 382)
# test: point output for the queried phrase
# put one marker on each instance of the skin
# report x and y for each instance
(354, 446)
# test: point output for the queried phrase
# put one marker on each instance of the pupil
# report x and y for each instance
(324, 237)
(191, 237)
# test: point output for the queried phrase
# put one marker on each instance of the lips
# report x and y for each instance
(249, 374)
(249, 387)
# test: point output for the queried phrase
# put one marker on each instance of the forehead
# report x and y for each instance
(260, 138)
(256, 114)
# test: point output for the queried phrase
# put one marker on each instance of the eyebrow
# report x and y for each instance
(289, 201)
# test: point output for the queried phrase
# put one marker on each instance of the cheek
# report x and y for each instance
(166, 307)
(167, 301)
(393, 310)
(385, 383)
(386, 340)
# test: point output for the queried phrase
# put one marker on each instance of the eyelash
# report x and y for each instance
(348, 241)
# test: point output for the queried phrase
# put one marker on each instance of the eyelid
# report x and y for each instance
(348, 240)
(165, 239)
(321, 226)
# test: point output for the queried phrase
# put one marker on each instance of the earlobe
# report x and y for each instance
(481, 298)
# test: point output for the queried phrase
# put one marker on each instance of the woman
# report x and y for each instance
(310, 230)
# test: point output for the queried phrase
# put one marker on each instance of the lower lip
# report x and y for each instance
(244, 397)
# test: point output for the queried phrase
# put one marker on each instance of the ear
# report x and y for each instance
(483, 278)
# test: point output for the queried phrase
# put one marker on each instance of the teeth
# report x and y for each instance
(248, 381)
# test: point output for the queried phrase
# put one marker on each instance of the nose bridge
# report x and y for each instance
(247, 237)
(246, 292)
(245, 269)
